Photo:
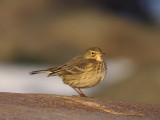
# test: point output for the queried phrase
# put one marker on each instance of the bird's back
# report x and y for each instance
(77, 65)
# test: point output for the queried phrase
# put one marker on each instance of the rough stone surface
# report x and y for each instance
(15, 106)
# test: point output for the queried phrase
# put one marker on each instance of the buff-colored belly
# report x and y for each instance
(85, 80)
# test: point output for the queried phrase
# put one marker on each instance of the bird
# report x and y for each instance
(83, 71)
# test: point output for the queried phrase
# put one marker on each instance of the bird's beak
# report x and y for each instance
(101, 54)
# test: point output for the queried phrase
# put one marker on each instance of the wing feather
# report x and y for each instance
(78, 65)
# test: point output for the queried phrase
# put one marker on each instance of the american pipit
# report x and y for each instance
(83, 71)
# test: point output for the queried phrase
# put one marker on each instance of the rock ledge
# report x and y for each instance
(14, 106)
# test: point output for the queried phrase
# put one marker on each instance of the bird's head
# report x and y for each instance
(94, 53)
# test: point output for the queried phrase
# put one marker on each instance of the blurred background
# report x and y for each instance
(45, 33)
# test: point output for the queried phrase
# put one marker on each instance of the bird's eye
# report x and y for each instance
(92, 53)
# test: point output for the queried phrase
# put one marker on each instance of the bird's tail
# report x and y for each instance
(40, 71)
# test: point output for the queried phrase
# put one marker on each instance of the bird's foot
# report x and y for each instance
(82, 95)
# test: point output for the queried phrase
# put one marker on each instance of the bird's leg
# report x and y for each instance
(82, 94)
(79, 92)
(76, 90)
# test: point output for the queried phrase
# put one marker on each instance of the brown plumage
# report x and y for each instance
(83, 71)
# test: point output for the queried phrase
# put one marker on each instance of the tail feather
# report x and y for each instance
(39, 71)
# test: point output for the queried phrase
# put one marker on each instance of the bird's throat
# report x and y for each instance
(99, 58)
